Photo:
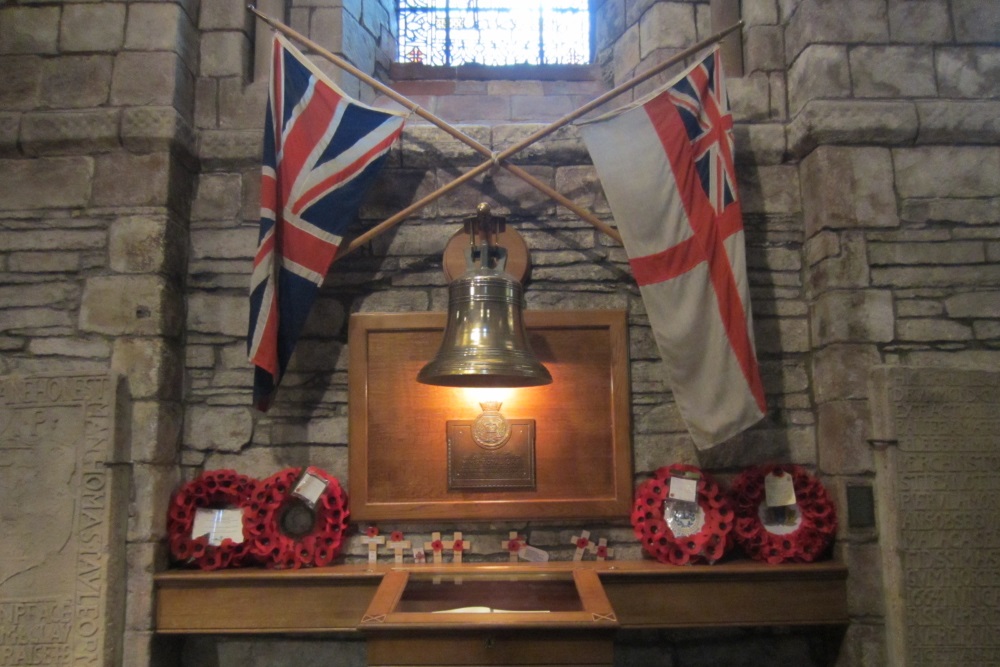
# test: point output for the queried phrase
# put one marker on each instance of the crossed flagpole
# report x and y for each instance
(494, 158)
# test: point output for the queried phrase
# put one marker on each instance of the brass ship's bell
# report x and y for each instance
(485, 342)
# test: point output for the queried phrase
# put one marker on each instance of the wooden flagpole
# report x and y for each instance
(495, 159)
(447, 127)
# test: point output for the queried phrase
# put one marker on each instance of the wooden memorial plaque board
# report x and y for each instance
(398, 428)
(937, 461)
(63, 510)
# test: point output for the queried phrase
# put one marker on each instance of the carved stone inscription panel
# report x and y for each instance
(62, 509)
(937, 432)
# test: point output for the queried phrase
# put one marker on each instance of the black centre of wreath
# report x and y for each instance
(297, 520)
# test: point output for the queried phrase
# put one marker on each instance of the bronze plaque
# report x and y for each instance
(510, 465)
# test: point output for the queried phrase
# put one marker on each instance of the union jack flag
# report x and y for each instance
(666, 164)
(702, 104)
(322, 152)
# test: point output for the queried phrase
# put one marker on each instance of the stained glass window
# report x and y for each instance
(491, 32)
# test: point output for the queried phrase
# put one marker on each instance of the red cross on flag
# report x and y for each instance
(666, 164)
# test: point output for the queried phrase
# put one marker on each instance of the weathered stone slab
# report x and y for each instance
(937, 458)
(62, 507)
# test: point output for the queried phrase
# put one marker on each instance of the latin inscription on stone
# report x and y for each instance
(509, 466)
(61, 508)
(938, 432)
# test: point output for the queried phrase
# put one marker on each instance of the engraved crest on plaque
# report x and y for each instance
(491, 451)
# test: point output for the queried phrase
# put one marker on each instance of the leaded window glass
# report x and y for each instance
(491, 32)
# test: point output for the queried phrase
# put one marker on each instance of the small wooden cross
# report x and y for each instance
(582, 543)
(436, 546)
(603, 551)
(457, 546)
(513, 544)
(373, 540)
(419, 557)
(398, 545)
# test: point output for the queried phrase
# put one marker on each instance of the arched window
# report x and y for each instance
(494, 32)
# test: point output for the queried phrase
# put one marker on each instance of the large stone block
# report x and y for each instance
(626, 55)
(224, 53)
(934, 252)
(842, 437)
(979, 304)
(848, 187)
(820, 72)
(932, 330)
(975, 22)
(892, 71)
(840, 371)
(152, 486)
(152, 367)
(62, 559)
(750, 97)
(64, 132)
(770, 189)
(967, 211)
(92, 27)
(822, 21)
(759, 143)
(153, 129)
(240, 243)
(217, 197)
(143, 78)
(947, 171)
(29, 30)
(218, 314)
(886, 123)
(924, 22)
(666, 25)
(69, 347)
(982, 275)
(20, 81)
(156, 430)
(52, 239)
(241, 106)
(427, 145)
(125, 179)
(130, 305)
(562, 147)
(959, 122)
(856, 316)
(344, 35)
(865, 594)
(224, 15)
(218, 429)
(229, 147)
(848, 267)
(969, 71)
(765, 48)
(41, 183)
(76, 82)
(145, 245)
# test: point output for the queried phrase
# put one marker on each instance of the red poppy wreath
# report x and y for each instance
(206, 520)
(799, 532)
(682, 531)
(298, 519)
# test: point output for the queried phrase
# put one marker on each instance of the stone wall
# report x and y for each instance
(867, 143)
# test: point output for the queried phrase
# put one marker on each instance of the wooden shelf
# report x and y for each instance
(643, 594)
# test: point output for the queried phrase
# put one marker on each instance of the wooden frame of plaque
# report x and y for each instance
(398, 445)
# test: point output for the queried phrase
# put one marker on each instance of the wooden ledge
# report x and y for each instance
(644, 594)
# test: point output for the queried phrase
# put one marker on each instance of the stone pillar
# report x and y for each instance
(97, 160)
